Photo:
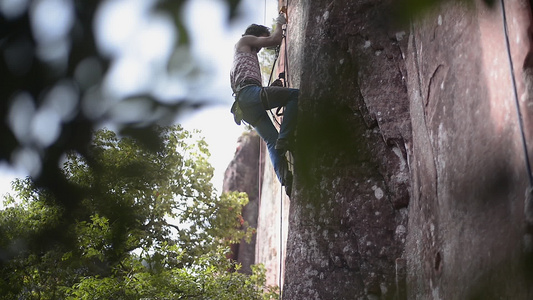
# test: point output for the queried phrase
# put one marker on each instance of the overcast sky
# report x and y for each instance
(133, 38)
(217, 123)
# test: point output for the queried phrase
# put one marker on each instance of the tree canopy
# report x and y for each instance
(52, 71)
(149, 225)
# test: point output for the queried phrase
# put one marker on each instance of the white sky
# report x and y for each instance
(216, 41)
(136, 40)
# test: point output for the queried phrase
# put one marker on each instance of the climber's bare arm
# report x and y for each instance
(248, 43)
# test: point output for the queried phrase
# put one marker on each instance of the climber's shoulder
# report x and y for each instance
(249, 43)
(243, 45)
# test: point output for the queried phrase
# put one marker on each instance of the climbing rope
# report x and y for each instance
(285, 84)
(265, 13)
(286, 59)
(280, 277)
(515, 93)
(284, 76)
(260, 190)
(269, 82)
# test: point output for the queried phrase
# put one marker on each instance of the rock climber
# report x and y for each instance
(252, 99)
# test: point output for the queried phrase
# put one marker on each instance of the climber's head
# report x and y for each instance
(257, 30)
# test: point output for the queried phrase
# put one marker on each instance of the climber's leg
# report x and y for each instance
(269, 134)
(288, 97)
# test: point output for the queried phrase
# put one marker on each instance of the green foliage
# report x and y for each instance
(148, 227)
(63, 74)
(207, 280)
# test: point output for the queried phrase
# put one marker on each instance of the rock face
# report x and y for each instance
(466, 229)
(267, 210)
(243, 175)
(272, 224)
(348, 219)
(412, 166)
(410, 175)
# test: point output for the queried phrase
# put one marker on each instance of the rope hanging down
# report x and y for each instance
(528, 205)
(515, 94)
(282, 75)
(285, 84)
(280, 277)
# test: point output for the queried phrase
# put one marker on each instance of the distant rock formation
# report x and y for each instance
(251, 171)
(243, 175)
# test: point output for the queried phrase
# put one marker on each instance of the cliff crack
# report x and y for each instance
(416, 58)
(431, 82)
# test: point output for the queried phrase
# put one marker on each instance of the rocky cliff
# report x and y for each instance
(243, 174)
(412, 161)
(250, 171)
(466, 235)
(348, 219)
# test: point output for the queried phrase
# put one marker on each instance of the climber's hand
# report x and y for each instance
(281, 20)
